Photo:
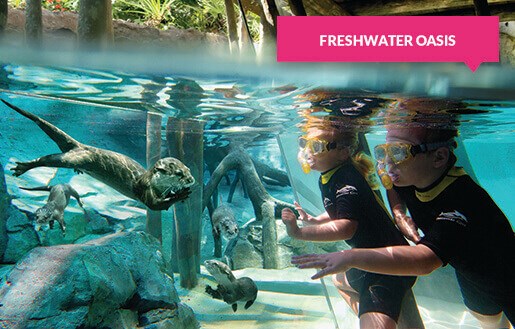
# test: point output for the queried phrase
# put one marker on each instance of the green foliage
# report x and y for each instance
(17, 4)
(253, 21)
(151, 12)
(203, 15)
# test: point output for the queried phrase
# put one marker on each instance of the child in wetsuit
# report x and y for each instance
(462, 225)
(354, 213)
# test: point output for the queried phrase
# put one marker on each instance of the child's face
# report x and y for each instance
(327, 159)
(412, 171)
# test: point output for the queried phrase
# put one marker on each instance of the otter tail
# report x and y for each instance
(63, 140)
(39, 188)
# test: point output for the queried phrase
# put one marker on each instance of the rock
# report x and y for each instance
(181, 317)
(243, 254)
(100, 283)
(97, 224)
(21, 237)
(122, 319)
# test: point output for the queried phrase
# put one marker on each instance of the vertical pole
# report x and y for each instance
(269, 23)
(33, 22)
(186, 142)
(153, 224)
(297, 7)
(3, 15)
(95, 25)
(481, 8)
(232, 29)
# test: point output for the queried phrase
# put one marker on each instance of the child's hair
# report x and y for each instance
(365, 165)
(440, 135)
(348, 137)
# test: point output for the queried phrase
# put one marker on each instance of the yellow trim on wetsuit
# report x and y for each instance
(325, 177)
(449, 178)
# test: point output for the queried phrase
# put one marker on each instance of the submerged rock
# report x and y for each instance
(119, 277)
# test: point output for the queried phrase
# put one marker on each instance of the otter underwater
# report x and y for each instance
(165, 183)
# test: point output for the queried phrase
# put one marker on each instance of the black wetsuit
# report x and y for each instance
(347, 195)
(465, 228)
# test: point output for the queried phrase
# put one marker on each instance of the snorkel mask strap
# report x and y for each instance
(428, 147)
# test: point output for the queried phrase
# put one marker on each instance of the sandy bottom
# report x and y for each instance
(290, 299)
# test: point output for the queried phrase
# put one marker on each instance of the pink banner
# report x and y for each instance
(469, 39)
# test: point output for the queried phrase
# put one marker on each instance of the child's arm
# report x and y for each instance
(396, 260)
(334, 230)
(307, 218)
(404, 222)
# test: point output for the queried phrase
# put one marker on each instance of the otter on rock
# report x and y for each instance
(167, 182)
(230, 289)
(54, 208)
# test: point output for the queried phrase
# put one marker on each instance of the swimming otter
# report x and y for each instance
(224, 222)
(230, 289)
(54, 208)
(167, 182)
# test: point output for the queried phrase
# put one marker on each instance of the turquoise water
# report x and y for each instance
(105, 102)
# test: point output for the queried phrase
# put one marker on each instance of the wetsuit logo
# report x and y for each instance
(454, 216)
(327, 202)
(346, 190)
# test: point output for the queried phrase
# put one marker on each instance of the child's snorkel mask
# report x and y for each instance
(398, 153)
(312, 146)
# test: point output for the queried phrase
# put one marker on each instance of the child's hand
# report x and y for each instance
(290, 221)
(331, 263)
(303, 216)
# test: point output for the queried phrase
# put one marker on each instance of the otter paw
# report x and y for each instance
(209, 290)
(213, 293)
(20, 169)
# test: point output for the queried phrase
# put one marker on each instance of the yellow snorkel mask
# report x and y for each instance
(315, 145)
(312, 146)
(399, 152)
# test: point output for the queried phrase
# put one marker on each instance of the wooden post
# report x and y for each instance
(186, 142)
(95, 25)
(269, 23)
(3, 15)
(270, 9)
(153, 224)
(33, 22)
(297, 7)
(232, 28)
(481, 8)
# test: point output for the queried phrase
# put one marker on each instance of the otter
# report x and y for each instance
(224, 222)
(166, 183)
(57, 201)
(230, 289)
